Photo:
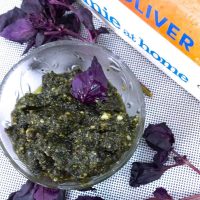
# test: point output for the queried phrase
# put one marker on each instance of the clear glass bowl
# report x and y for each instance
(60, 57)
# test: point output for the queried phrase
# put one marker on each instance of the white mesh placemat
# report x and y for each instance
(170, 104)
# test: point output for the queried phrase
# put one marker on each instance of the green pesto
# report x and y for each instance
(57, 136)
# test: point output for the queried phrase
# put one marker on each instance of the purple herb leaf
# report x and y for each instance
(161, 157)
(42, 193)
(40, 22)
(59, 12)
(144, 173)
(25, 193)
(90, 85)
(10, 17)
(32, 6)
(88, 198)
(95, 33)
(98, 73)
(20, 31)
(71, 22)
(161, 194)
(159, 137)
(85, 16)
(32, 191)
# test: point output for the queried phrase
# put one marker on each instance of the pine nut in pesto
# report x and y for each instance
(57, 136)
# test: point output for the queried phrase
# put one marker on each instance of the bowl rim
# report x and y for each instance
(121, 163)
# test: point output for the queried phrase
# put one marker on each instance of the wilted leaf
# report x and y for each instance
(143, 173)
(159, 137)
(161, 194)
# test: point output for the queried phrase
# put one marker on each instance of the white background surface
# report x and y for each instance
(170, 104)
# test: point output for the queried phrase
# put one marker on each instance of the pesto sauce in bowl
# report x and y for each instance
(58, 137)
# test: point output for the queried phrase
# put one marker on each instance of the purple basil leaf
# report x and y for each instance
(161, 194)
(42, 193)
(20, 31)
(56, 12)
(159, 137)
(10, 17)
(143, 173)
(25, 193)
(90, 85)
(97, 72)
(85, 17)
(32, 6)
(40, 22)
(161, 157)
(51, 12)
(71, 22)
(88, 198)
(32, 191)
(95, 33)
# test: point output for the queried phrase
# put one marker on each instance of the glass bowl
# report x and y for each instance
(60, 57)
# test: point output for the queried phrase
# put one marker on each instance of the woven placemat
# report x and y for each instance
(170, 104)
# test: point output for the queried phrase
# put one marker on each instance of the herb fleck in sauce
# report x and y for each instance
(57, 136)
